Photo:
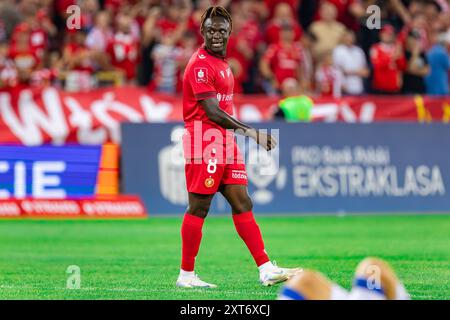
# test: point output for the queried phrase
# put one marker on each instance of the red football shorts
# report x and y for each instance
(216, 167)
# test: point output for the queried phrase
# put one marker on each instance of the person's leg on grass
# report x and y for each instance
(249, 231)
(191, 236)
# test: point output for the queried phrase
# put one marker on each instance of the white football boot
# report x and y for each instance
(270, 274)
(193, 281)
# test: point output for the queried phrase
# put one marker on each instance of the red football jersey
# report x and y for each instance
(206, 76)
(284, 61)
(387, 70)
(124, 52)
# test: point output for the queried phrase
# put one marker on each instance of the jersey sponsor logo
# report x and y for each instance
(201, 75)
(209, 182)
(224, 97)
(238, 174)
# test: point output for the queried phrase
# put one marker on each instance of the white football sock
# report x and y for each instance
(185, 274)
(265, 266)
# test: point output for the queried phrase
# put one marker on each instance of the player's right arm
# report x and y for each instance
(201, 79)
(223, 119)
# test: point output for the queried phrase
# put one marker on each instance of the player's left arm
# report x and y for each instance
(223, 119)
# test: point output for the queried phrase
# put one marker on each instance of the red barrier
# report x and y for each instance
(34, 117)
(115, 207)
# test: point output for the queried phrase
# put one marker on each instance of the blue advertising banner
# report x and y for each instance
(48, 171)
(379, 167)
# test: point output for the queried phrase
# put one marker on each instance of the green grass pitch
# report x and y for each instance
(126, 259)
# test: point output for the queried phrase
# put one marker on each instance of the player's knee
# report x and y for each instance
(244, 205)
(199, 209)
(311, 285)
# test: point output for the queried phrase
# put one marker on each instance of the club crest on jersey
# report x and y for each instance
(209, 182)
(201, 75)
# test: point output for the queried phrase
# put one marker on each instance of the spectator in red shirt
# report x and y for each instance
(22, 54)
(78, 62)
(40, 28)
(281, 60)
(246, 12)
(388, 63)
(172, 16)
(283, 14)
(123, 49)
(76, 56)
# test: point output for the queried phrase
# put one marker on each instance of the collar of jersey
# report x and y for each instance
(212, 53)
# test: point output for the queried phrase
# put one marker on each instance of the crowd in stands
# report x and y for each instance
(327, 47)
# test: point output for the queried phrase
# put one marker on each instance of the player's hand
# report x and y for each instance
(266, 141)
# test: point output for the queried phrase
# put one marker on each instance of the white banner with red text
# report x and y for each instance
(115, 207)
